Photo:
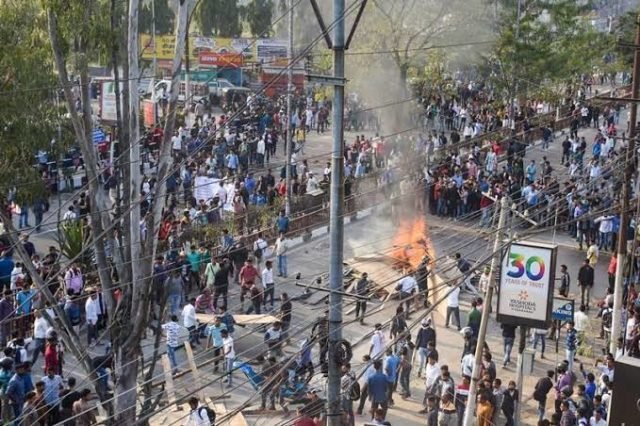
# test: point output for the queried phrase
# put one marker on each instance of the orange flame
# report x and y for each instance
(411, 243)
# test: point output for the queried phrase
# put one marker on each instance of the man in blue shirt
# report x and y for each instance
(391, 365)
(16, 392)
(571, 344)
(6, 266)
(377, 386)
(282, 223)
(214, 331)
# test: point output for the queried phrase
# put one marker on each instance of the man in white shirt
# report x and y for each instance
(40, 327)
(176, 144)
(198, 415)
(282, 246)
(597, 420)
(431, 374)
(466, 366)
(269, 284)
(190, 321)
(69, 216)
(91, 316)
(172, 331)
(581, 324)
(453, 306)
(407, 287)
(229, 356)
(377, 342)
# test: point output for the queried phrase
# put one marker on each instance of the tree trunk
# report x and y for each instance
(126, 364)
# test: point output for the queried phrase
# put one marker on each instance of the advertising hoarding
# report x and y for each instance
(527, 276)
(563, 309)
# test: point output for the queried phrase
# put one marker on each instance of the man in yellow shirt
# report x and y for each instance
(484, 411)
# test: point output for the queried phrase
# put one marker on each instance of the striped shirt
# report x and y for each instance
(172, 330)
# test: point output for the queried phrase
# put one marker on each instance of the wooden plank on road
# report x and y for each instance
(194, 369)
(168, 382)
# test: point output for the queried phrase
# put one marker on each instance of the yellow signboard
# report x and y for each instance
(166, 46)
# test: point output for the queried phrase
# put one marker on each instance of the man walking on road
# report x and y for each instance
(453, 306)
(425, 335)
(377, 386)
(585, 282)
(361, 289)
(282, 246)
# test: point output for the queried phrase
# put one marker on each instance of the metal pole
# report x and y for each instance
(187, 66)
(288, 134)
(155, 61)
(515, 79)
(616, 321)
(520, 368)
(482, 334)
(336, 221)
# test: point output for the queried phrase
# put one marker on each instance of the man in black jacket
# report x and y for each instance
(425, 334)
(585, 282)
(543, 386)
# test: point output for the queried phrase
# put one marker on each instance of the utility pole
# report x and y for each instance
(288, 136)
(616, 321)
(336, 221)
(482, 334)
(155, 61)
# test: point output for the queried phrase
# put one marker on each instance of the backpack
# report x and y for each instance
(355, 392)
(607, 315)
(211, 415)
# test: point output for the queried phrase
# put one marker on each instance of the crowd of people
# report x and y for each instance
(459, 181)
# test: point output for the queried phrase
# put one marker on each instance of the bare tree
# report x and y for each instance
(129, 317)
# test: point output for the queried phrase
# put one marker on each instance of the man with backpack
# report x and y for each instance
(350, 392)
(200, 414)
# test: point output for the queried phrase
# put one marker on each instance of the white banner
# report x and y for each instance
(526, 284)
(205, 188)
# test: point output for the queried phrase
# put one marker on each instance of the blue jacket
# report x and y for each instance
(377, 385)
(6, 266)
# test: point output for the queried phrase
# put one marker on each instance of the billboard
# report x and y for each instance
(526, 284)
(263, 50)
(269, 50)
(108, 101)
(563, 309)
(213, 59)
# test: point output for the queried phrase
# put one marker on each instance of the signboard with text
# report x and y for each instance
(563, 309)
(527, 275)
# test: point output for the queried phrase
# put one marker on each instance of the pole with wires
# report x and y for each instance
(616, 320)
(336, 221)
(482, 334)
(288, 133)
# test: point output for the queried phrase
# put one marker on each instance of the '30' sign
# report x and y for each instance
(519, 266)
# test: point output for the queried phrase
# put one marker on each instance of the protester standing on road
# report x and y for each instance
(541, 390)
(361, 289)
(508, 337)
(585, 282)
(453, 306)
(268, 283)
(571, 343)
(377, 386)
(425, 334)
(172, 330)
(282, 247)
(378, 343)
(229, 356)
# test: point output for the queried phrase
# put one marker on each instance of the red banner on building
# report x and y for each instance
(213, 59)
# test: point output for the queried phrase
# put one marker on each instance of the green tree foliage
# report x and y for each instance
(219, 18)
(165, 17)
(28, 116)
(625, 33)
(259, 14)
(548, 51)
